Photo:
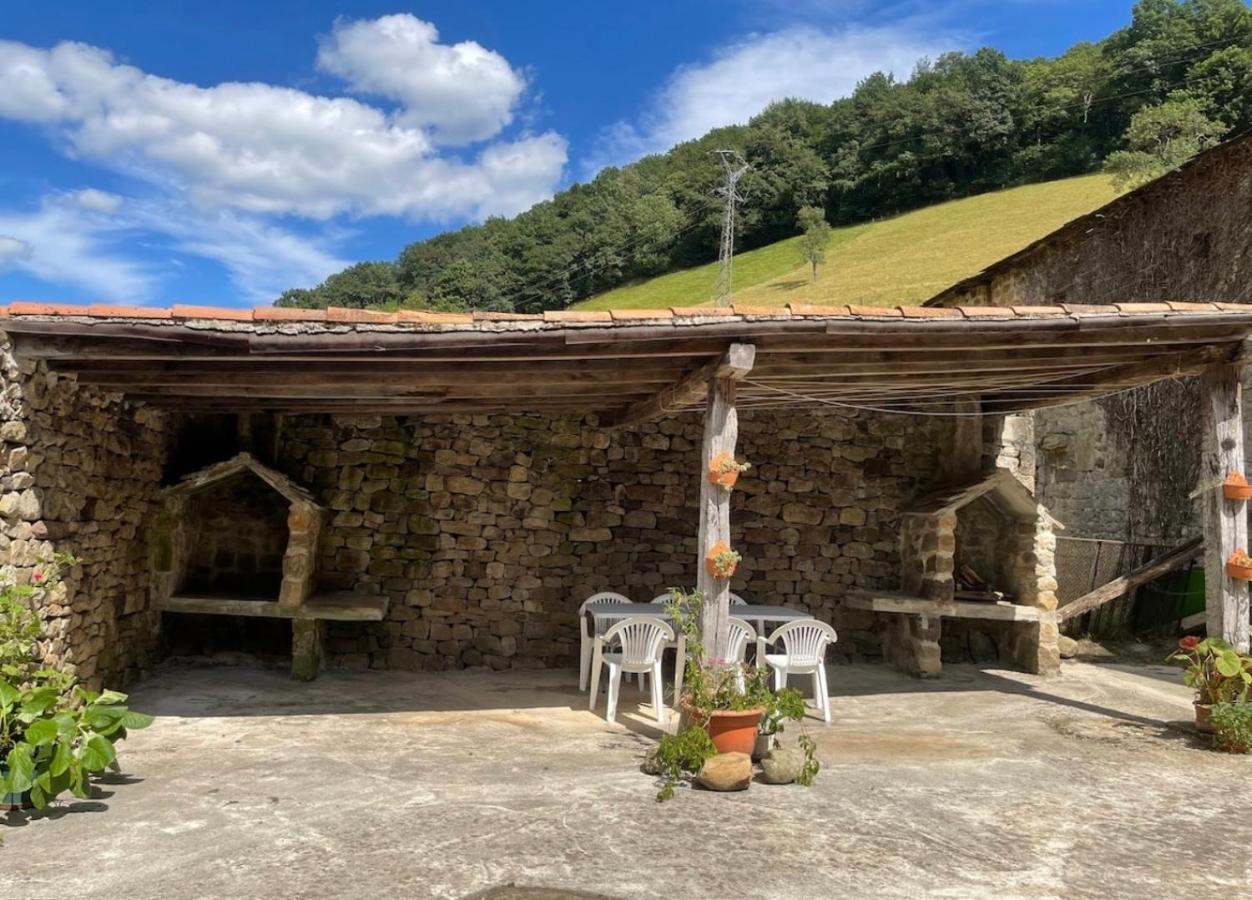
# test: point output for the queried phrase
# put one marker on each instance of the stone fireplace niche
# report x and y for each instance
(236, 531)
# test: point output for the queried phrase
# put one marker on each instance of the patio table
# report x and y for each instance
(604, 614)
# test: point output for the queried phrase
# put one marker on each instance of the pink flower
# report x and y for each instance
(1189, 642)
(38, 576)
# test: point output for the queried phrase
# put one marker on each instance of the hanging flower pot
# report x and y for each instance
(724, 470)
(1236, 487)
(721, 561)
(1239, 565)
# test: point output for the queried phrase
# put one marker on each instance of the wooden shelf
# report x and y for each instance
(340, 607)
(906, 604)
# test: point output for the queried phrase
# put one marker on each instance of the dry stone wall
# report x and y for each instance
(79, 474)
(487, 532)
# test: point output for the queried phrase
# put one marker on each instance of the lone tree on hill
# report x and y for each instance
(814, 235)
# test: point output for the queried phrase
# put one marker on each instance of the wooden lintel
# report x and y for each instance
(732, 365)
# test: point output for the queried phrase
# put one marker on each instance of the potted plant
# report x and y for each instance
(1232, 727)
(1216, 672)
(1236, 487)
(54, 734)
(1239, 565)
(721, 561)
(724, 470)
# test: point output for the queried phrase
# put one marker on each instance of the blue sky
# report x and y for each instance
(216, 153)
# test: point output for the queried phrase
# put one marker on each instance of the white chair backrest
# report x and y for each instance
(804, 641)
(661, 598)
(603, 597)
(736, 600)
(741, 634)
(641, 638)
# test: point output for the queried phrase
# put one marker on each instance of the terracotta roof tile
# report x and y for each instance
(699, 311)
(1089, 309)
(876, 311)
(986, 312)
(486, 316)
(929, 312)
(773, 311)
(1192, 307)
(343, 314)
(182, 311)
(1136, 308)
(108, 311)
(809, 309)
(1235, 307)
(1033, 311)
(426, 317)
(577, 315)
(33, 308)
(623, 314)
(288, 314)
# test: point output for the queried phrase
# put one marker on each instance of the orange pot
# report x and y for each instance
(724, 479)
(732, 731)
(710, 564)
(1237, 491)
(1243, 573)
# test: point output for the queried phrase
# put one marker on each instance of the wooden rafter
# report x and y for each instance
(733, 365)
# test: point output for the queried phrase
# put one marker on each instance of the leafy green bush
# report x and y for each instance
(685, 751)
(54, 734)
(1215, 670)
(1232, 727)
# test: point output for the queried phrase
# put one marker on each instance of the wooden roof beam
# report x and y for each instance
(734, 364)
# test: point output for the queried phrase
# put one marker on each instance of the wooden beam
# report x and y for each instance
(1225, 521)
(1161, 565)
(721, 433)
(733, 365)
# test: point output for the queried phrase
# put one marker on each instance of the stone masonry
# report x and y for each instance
(80, 471)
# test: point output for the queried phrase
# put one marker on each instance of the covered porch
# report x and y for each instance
(481, 474)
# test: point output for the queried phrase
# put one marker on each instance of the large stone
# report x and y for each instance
(1067, 646)
(782, 765)
(726, 772)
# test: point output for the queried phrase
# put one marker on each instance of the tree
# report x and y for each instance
(1161, 138)
(814, 235)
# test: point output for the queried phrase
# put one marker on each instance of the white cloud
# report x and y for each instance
(460, 92)
(266, 149)
(745, 77)
(12, 249)
(96, 200)
(63, 243)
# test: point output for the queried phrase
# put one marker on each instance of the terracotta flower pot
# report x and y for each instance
(723, 477)
(711, 565)
(1203, 723)
(1236, 491)
(732, 730)
(1243, 573)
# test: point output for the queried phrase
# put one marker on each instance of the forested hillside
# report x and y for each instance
(1176, 79)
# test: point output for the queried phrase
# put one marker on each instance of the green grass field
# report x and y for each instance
(899, 261)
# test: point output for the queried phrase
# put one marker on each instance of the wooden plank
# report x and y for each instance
(906, 604)
(1225, 521)
(1155, 568)
(733, 365)
(336, 607)
(721, 433)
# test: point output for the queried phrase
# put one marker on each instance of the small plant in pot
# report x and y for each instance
(1239, 565)
(724, 704)
(721, 561)
(1216, 672)
(724, 470)
(1232, 727)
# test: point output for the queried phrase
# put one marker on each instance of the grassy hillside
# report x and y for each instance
(904, 260)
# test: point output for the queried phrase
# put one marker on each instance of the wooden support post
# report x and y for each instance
(721, 433)
(1225, 521)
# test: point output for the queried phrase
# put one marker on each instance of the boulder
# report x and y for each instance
(726, 772)
(782, 765)
(651, 765)
(1068, 647)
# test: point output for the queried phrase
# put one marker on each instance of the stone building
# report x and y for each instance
(433, 491)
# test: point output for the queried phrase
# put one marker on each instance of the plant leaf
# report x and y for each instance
(134, 719)
(21, 768)
(8, 693)
(60, 761)
(40, 732)
(97, 753)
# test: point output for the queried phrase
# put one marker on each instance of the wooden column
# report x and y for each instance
(1225, 521)
(721, 433)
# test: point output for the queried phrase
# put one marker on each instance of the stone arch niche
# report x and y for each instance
(236, 530)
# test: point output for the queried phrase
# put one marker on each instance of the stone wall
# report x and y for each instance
(238, 538)
(487, 532)
(79, 473)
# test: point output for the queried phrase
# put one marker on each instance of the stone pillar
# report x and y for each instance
(1034, 646)
(306, 648)
(304, 524)
(928, 547)
(912, 645)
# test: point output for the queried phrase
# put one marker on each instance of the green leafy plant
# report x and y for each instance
(1232, 727)
(1216, 671)
(54, 734)
(684, 752)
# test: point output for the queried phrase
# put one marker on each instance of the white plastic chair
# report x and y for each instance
(741, 634)
(804, 653)
(736, 600)
(585, 632)
(642, 639)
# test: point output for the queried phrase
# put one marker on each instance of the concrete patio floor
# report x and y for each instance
(981, 784)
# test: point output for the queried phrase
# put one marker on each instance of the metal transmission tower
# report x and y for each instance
(734, 165)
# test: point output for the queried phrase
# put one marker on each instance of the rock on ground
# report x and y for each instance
(726, 772)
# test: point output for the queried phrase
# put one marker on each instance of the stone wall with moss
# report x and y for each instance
(487, 532)
(79, 474)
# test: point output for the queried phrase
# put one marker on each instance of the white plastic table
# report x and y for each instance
(603, 614)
